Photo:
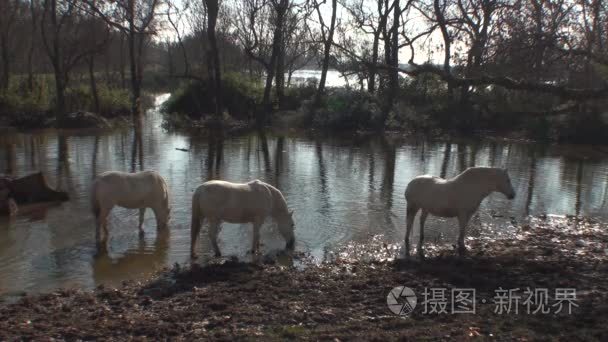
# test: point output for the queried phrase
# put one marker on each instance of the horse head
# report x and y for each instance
(286, 227)
(164, 217)
(504, 184)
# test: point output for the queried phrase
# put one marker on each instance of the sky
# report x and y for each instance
(423, 53)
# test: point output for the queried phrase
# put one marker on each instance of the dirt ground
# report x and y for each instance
(345, 299)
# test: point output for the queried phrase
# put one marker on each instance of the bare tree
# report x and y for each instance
(8, 14)
(65, 38)
(135, 19)
(327, 35)
(215, 76)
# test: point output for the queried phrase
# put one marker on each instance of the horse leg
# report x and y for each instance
(256, 236)
(463, 220)
(423, 216)
(142, 211)
(195, 229)
(98, 232)
(214, 229)
(102, 223)
(409, 218)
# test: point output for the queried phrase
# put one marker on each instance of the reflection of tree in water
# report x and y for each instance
(531, 180)
(265, 152)
(447, 154)
(462, 157)
(572, 174)
(11, 158)
(215, 151)
(135, 263)
(474, 152)
(325, 206)
(278, 160)
(386, 189)
(492, 157)
(371, 167)
(137, 150)
(64, 172)
(95, 156)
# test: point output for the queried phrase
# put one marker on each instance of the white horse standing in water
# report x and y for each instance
(141, 190)
(456, 197)
(239, 203)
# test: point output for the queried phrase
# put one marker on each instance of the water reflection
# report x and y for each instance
(137, 263)
(137, 149)
(11, 159)
(342, 190)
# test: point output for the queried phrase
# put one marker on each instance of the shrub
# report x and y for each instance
(240, 97)
(585, 127)
(295, 96)
(346, 109)
(112, 102)
(23, 107)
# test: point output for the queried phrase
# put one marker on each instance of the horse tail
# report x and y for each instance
(408, 192)
(196, 212)
(195, 227)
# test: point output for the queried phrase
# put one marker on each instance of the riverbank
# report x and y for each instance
(345, 299)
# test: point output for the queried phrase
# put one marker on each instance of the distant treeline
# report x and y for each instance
(541, 57)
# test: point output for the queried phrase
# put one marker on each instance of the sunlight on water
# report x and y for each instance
(347, 194)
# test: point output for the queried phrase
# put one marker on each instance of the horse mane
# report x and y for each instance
(476, 171)
(278, 200)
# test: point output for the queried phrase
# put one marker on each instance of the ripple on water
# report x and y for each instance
(347, 194)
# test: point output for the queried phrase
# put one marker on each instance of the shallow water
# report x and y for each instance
(344, 190)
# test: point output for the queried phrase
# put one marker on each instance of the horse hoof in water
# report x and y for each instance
(193, 256)
(218, 254)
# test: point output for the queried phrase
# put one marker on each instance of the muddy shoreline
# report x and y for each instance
(345, 299)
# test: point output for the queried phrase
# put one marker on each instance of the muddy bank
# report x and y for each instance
(345, 299)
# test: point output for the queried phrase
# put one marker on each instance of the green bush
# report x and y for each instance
(347, 110)
(112, 102)
(295, 96)
(240, 98)
(23, 107)
(585, 128)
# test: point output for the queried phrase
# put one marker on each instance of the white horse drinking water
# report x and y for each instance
(456, 197)
(141, 190)
(251, 202)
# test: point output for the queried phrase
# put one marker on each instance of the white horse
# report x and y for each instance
(239, 203)
(456, 197)
(141, 190)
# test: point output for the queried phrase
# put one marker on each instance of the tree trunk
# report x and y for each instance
(30, 53)
(93, 84)
(373, 69)
(394, 63)
(266, 104)
(121, 62)
(447, 43)
(60, 85)
(214, 55)
(280, 77)
(135, 86)
(326, 53)
(280, 62)
(5, 63)
(272, 65)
